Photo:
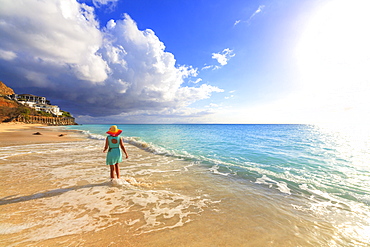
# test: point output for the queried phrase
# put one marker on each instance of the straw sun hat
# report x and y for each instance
(114, 131)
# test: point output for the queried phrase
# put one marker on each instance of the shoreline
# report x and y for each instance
(20, 134)
(66, 196)
(59, 191)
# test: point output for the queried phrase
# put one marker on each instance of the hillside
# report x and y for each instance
(5, 90)
(10, 109)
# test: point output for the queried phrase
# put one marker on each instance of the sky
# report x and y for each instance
(203, 61)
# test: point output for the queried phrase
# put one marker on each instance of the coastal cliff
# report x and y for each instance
(13, 111)
(4, 90)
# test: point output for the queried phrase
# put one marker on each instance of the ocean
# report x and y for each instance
(207, 185)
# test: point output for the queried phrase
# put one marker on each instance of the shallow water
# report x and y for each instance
(61, 193)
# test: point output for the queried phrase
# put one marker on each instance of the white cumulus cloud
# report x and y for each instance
(59, 50)
(59, 32)
(224, 56)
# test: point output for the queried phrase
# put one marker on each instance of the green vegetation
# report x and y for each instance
(7, 113)
(66, 114)
(44, 114)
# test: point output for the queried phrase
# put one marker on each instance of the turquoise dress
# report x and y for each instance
(114, 154)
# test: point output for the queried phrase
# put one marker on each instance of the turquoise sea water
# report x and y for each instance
(322, 170)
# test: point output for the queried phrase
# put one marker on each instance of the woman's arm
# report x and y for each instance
(106, 145)
(123, 147)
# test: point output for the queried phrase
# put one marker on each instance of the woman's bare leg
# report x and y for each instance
(116, 167)
(112, 168)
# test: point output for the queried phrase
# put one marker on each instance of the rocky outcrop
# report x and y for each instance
(5, 90)
(7, 103)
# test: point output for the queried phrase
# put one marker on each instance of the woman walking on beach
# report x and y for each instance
(113, 142)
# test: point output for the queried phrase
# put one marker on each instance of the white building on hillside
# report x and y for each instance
(28, 98)
(53, 109)
(36, 102)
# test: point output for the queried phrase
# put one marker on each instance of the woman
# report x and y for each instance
(113, 142)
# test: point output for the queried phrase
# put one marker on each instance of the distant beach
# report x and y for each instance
(55, 191)
(15, 133)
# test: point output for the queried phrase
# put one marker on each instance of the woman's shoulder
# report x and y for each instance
(113, 137)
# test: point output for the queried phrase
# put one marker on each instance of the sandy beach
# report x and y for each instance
(52, 194)
(20, 133)
(55, 191)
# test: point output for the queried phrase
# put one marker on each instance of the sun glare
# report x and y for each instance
(334, 62)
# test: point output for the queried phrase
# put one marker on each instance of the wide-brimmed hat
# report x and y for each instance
(114, 131)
